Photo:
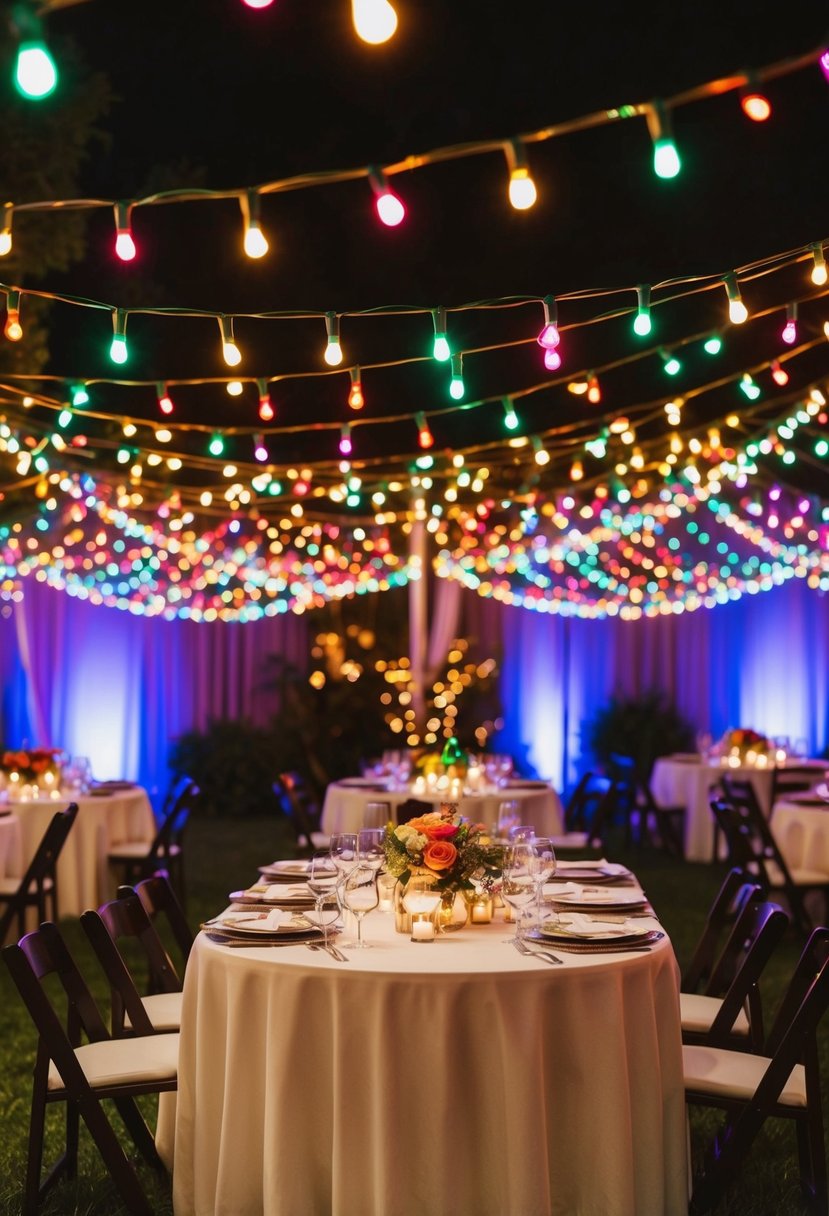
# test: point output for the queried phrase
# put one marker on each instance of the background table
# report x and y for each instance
(688, 779)
(801, 828)
(84, 877)
(457, 1077)
(11, 847)
(539, 804)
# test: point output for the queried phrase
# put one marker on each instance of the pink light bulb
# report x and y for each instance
(258, 3)
(824, 64)
(390, 209)
(260, 451)
(549, 336)
(345, 446)
(552, 359)
(124, 245)
(789, 334)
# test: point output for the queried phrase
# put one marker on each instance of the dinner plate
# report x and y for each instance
(587, 932)
(263, 899)
(591, 874)
(236, 925)
(600, 899)
(286, 871)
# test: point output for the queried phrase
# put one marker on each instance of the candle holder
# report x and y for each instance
(421, 901)
(480, 907)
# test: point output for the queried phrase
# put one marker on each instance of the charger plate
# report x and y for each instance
(591, 934)
(616, 947)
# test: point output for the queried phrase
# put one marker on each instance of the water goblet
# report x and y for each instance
(543, 867)
(371, 848)
(520, 832)
(323, 877)
(509, 817)
(360, 896)
(343, 851)
(376, 814)
(518, 883)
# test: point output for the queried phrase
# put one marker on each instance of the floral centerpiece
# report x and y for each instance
(745, 742)
(31, 763)
(458, 854)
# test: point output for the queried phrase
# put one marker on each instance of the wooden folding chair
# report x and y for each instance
(781, 1082)
(738, 888)
(39, 885)
(160, 902)
(81, 1074)
(137, 860)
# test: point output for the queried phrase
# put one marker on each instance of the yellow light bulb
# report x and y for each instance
(232, 354)
(737, 312)
(5, 242)
(256, 244)
(522, 191)
(374, 20)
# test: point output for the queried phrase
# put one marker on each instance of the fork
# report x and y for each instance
(546, 955)
(334, 951)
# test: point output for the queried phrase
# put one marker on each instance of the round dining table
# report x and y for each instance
(800, 824)
(104, 820)
(455, 1077)
(344, 808)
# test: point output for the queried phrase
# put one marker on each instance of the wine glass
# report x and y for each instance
(360, 896)
(518, 882)
(376, 814)
(543, 867)
(323, 877)
(342, 850)
(509, 817)
(371, 848)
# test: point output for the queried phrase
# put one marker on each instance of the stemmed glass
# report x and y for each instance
(343, 851)
(370, 848)
(323, 877)
(543, 867)
(518, 882)
(360, 896)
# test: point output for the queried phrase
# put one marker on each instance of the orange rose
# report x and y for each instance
(441, 831)
(440, 855)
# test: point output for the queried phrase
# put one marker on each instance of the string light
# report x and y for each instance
(258, 3)
(510, 416)
(389, 207)
(266, 410)
(440, 349)
(522, 191)
(424, 436)
(255, 241)
(165, 402)
(778, 373)
(666, 161)
(789, 331)
(576, 470)
(80, 396)
(356, 400)
(124, 243)
(35, 74)
(594, 392)
(823, 60)
(234, 388)
(345, 440)
(670, 364)
(118, 352)
(737, 311)
(260, 452)
(216, 446)
(712, 345)
(755, 104)
(550, 336)
(6, 230)
(541, 455)
(374, 20)
(333, 350)
(642, 321)
(456, 385)
(230, 351)
(13, 329)
(751, 390)
(819, 272)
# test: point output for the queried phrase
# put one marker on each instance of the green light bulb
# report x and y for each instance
(666, 162)
(118, 349)
(216, 446)
(35, 74)
(712, 345)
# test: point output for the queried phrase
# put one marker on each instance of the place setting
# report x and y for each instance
(590, 935)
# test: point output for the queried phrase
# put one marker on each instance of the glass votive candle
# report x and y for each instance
(480, 908)
(385, 889)
(423, 927)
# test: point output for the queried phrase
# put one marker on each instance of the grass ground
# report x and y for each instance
(224, 854)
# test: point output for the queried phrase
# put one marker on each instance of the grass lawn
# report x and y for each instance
(222, 855)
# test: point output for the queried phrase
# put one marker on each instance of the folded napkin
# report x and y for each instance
(578, 925)
(272, 920)
(278, 890)
(556, 890)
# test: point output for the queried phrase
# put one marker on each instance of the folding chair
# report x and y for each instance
(137, 860)
(729, 1012)
(109, 930)
(39, 885)
(160, 901)
(738, 888)
(586, 814)
(301, 810)
(751, 845)
(781, 1082)
(81, 1074)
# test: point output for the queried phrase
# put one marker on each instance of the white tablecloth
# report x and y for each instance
(456, 1078)
(688, 779)
(539, 804)
(11, 847)
(84, 877)
(801, 829)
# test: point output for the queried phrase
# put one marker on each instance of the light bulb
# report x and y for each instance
(258, 3)
(389, 207)
(712, 345)
(549, 337)
(256, 245)
(374, 20)
(510, 416)
(345, 440)
(552, 360)
(266, 410)
(440, 350)
(594, 392)
(35, 74)
(80, 396)
(333, 350)
(217, 445)
(666, 162)
(424, 435)
(355, 394)
(234, 388)
(755, 104)
(230, 351)
(670, 364)
(642, 321)
(13, 329)
(6, 230)
(456, 385)
(737, 311)
(124, 244)
(824, 63)
(260, 452)
(778, 373)
(789, 332)
(118, 352)
(819, 273)
(522, 191)
(165, 402)
(748, 386)
(576, 470)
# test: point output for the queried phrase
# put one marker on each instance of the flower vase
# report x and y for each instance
(453, 912)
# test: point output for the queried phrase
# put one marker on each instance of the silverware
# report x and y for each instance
(546, 955)
(334, 951)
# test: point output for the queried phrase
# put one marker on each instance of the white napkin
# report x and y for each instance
(259, 920)
(277, 890)
(556, 889)
(583, 926)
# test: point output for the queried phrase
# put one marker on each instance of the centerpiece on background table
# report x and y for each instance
(745, 747)
(457, 856)
(31, 771)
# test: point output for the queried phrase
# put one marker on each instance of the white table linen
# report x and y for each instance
(84, 876)
(687, 780)
(538, 803)
(801, 829)
(11, 847)
(460, 1078)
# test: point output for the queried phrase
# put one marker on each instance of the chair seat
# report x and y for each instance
(137, 850)
(721, 1073)
(163, 1009)
(697, 1013)
(8, 886)
(150, 1058)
